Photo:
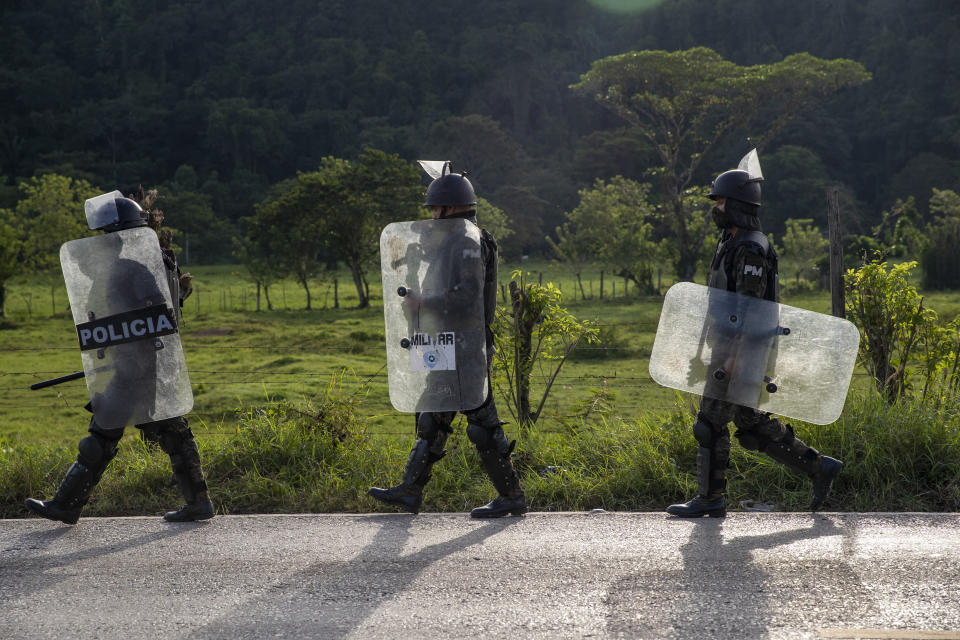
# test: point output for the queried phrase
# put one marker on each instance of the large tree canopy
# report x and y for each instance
(685, 102)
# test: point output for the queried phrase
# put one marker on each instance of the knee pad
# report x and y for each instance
(430, 425)
(485, 415)
(96, 451)
(705, 433)
(488, 438)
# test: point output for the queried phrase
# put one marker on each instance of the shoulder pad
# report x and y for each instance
(757, 239)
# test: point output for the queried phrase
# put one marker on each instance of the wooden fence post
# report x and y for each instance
(836, 253)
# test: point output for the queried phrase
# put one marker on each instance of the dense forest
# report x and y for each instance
(215, 103)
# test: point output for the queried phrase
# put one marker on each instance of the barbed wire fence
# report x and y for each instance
(41, 294)
(285, 296)
(280, 385)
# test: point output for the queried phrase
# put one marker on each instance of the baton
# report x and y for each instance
(61, 379)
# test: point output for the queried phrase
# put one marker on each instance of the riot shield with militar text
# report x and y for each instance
(127, 328)
(433, 314)
(754, 352)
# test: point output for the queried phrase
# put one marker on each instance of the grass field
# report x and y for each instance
(239, 357)
(251, 371)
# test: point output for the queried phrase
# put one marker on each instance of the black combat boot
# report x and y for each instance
(408, 495)
(804, 459)
(711, 481)
(715, 507)
(823, 480)
(202, 510)
(70, 498)
(504, 478)
(189, 475)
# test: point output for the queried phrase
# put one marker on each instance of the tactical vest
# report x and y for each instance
(722, 274)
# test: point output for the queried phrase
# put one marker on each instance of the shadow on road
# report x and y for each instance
(699, 599)
(333, 597)
(41, 567)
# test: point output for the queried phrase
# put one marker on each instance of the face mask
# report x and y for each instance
(722, 219)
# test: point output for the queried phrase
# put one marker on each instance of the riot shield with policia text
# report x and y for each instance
(126, 327)
(754, 352)
(434, 315)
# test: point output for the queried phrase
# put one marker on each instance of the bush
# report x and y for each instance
(793, 286)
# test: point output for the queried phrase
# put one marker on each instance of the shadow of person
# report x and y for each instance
(37, 566)
(720, 590)
(334, 597)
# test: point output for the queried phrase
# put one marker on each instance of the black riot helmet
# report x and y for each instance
(450, 190)
(737, 184)
(129, 215)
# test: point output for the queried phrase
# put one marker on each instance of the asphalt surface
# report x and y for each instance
(545, 575)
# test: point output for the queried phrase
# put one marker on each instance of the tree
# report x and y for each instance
(288, 236)
(803, 246)
(493, 219)
(685, 102)
(338, 212)
(612, 225)
(11, 250)
(535, 333)
(891, 317)
(49, 213)
(941, 263)
(798, 190)
(477, 145)
(372, 191)
(254, 251)
(899, 230)
(191, 208)
(579, 240)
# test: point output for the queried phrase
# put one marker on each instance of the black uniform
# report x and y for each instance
(483, 424)
(100, 447)
(746, 263)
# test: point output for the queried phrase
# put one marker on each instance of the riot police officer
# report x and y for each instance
(174, 436)
(746, 263)
(452, 195)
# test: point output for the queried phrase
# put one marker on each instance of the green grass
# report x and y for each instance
(319, 458)
(239, 358)
(261, 379)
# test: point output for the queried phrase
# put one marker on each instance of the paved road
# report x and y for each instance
(556, 575)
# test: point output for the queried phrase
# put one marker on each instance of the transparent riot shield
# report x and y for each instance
(754, 353)
(127, 328)
(433, 314)
(102, 210)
